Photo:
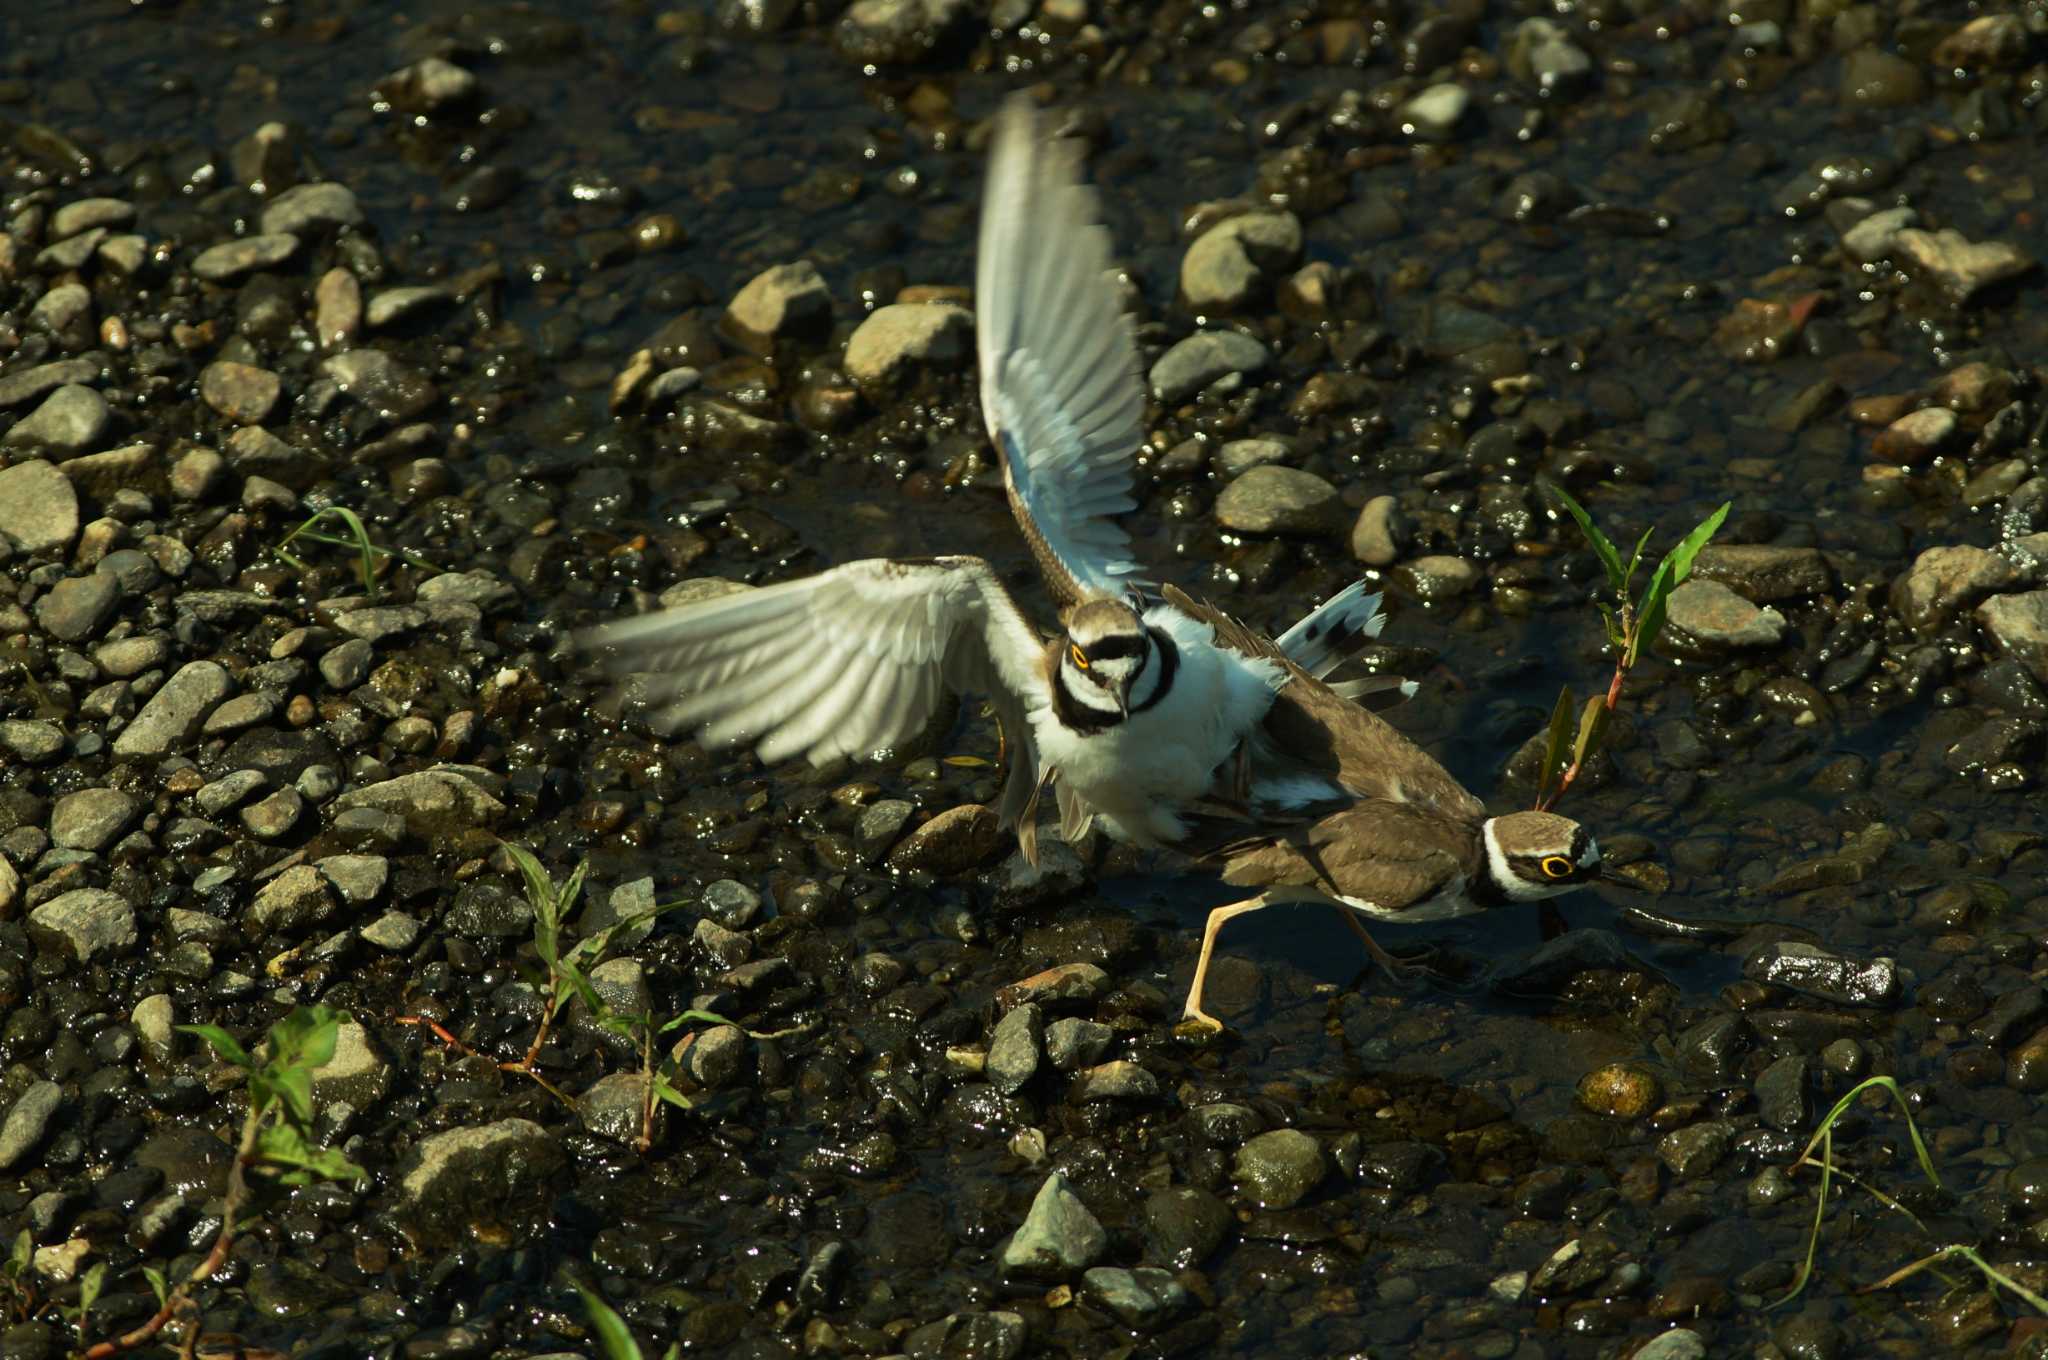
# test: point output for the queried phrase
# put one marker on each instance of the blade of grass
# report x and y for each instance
(1555, 745)
(1603, 547)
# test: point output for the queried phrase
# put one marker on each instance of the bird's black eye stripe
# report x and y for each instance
(1579, 846)
(1111, 647)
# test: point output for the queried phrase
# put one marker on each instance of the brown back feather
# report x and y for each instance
(1320, 732)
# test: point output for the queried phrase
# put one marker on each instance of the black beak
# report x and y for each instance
(1617, 878)
(1123, 699)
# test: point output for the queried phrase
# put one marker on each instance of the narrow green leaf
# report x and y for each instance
(158, 1285)
(222, 1043)
(666, 1092)
(1603, 547)
(1650, 620)
(23, 1253)
(1635, 559)
(294, 1086)
(572, 890)
(1689, 547)
(89, 1286)
(285, 1151)
(695, 1017)
(1591, 724)
(614, 1341)
(1554, 745)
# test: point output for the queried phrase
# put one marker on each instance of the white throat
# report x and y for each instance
(1513, 885)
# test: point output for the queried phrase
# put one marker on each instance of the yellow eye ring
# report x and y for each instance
(1080, 657)
(1557, 866)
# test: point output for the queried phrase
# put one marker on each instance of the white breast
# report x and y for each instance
(1136, 776)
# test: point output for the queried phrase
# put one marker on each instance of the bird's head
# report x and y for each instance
(1533, 855)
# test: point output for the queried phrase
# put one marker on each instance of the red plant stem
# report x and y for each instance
(223, 1242)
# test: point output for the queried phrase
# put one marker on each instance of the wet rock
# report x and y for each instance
(65, 315)
(906, 335)
(1200, 360)
(431, 85)
(1240, 456)
(1915, 437)
(1541, 53)
(1437, 578)
(289, 903)
(380, 383)
(84, 923)
(971, 1335)
(952, 842)
(242, 393)
(305, 209)
(895, 32)
(787, 301)
(78, 607)
(28, 1119)
(433, 803)
(1782, 1094)
(1962, 267)
(1184, 1225)
(720, 1057)
(1434, 114)
(1013, 1050)
(1808, 1337)
(1709, 618)
(1075, 1043)
(1875, 79)
(38, 507)
(1875, 236)
(496, 1181)
(1942, 581)
(1280, 500)
(1123, 1080)
(1693, 1151)
(1059, 1236)
(1814, 971)
(71, 421)
(1709, 1049)
(2019, 625)
(1278, 1170)
(31, 742)
(357, 1074)
(1228, 267)
(232, 260)
(175, 712)
(90, 819)
(1620, 1091)
(1766, 575)
(1680, 1343)
(613, 1107)
(1014, 885)
(1144, 1299)
(878, 826)
(1992, 42)
(25, 385)
(1381, 532)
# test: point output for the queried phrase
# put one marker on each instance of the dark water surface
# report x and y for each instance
(1557, 289)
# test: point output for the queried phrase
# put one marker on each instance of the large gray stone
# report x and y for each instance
(1059, 1236)
(70, 421)
(85, 922)
(175, 712)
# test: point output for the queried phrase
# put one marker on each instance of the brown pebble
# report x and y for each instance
(1620, 1091)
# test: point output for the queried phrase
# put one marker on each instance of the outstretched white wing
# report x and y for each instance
(1332, 633)
(851, 662)
(1060, 387)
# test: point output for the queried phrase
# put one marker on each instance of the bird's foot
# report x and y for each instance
(1196, 1023)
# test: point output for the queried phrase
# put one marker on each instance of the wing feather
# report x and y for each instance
(849, 662)
(1060, 385)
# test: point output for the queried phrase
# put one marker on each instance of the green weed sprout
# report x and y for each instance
(357, 537)
(1824, 1139)
(1633, 624)
(614, 1340)
(276, 1141)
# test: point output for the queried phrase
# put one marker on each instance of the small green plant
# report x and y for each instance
(276, 1143)
(659, 1087)
(1824, 1140)
(1633, 623)
(614, 1340)
(358, 538)
(17, 1289)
